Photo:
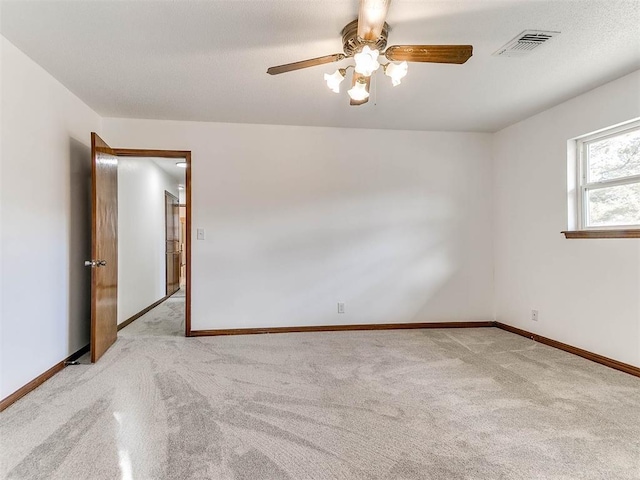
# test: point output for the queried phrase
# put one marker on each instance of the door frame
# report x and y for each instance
(179, 154)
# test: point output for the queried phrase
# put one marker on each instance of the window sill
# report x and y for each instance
(621, 233)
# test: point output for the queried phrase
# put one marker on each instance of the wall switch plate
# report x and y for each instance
(200, 233)
(534, 315)
(340, 307)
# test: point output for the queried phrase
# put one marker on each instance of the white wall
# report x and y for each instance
(45, 220)
(395, 224)
(141, 234)
(587, 291)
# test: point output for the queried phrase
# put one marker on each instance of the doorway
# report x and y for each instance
(104, 239)
(173, 247)
(176, 248)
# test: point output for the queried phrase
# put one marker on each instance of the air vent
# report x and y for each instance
(524, 43)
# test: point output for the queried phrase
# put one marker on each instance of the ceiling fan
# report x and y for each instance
(365, 39)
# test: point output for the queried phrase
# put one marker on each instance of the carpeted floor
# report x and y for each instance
(405, 404)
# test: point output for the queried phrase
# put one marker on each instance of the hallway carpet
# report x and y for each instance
(405, 404)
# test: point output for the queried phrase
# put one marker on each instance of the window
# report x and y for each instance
(609, 179)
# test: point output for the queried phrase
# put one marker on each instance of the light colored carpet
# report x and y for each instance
(406, 404)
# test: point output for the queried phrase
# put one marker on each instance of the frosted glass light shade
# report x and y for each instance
(366, 61)
(396, 71)
(334, 80)
(358, 92)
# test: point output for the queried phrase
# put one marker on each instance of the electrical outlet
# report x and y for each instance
(340, 307)
(534, 315)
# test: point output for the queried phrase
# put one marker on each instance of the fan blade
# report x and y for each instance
(429, 53)
(289, 67)
(371, 18)
(357, 76)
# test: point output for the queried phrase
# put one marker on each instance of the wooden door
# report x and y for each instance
(104, 247)
(172, 242)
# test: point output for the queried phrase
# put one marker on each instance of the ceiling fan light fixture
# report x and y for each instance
(365, 38)
(367, 61)
(396, 71)
(358, 92)
(335, 79)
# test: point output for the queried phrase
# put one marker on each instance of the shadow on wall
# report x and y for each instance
(386, 256)
(79, 244)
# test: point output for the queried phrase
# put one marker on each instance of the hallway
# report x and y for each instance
(166, 320)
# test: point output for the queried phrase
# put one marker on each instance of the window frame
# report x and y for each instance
(584, 186)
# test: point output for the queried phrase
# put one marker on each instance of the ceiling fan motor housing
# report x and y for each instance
(351, 44)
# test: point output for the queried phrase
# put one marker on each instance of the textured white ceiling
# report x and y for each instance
(206, 60)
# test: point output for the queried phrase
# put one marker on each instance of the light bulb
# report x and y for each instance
(358, 92)
(396, 71)
(366, 61)
(335, 79)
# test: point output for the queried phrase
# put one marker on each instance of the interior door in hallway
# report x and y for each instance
(104, 247)
(172, 242)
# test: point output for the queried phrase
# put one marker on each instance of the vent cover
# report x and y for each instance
(524, 43)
